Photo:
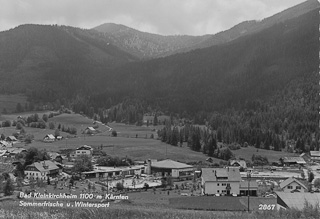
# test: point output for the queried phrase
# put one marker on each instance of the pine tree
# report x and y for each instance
(8, 187)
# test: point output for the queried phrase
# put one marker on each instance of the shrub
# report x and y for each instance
(114, 133)
(119, 186)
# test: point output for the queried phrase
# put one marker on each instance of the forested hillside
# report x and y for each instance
(51, 62)
(146, 45)
(260, 88)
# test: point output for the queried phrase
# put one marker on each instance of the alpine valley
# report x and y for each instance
(256, 82)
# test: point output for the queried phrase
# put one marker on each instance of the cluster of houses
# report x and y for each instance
(214, 181)
(51, 138)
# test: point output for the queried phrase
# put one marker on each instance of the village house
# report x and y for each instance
(42, 170)
(11, 139)
(49, 138)
(90, 130)
(84, 150)
(292, 185)
(288, 161)
(239, 163)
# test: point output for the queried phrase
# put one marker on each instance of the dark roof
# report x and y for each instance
(40, 165)
(298, 200)
(240, 163)
(211, 174)
(84, 147)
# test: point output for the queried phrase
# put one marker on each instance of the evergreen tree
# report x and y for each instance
(8, 187)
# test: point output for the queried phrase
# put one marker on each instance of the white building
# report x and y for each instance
(84, 150)
(42, 170)
(224, 181)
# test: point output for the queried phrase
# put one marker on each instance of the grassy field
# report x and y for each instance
(9, 209)
(132, 141)
(273, 156)
(9, 102)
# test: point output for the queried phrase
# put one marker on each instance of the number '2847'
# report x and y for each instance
(266, 207)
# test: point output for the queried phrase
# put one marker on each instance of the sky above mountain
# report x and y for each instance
(166, 17)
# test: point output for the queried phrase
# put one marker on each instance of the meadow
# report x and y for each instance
(136, 142)
(9, 209)
(273, 156)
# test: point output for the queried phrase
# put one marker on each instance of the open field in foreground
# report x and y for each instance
(10, 209)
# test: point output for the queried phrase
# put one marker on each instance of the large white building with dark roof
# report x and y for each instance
(84, 150)
(224, 181)
(42, 170)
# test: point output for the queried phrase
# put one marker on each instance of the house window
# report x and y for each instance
(223, 184)
(218, 191)
(218, 184)
(289, 187)
(298, 187)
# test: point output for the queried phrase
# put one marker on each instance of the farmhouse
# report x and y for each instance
(84, 150)
(297, 200)
(315, 155)
(14, 151)
(42, 170)
(170, 167)
(238, 163)
(11, 139)
(90, 130)
(224, 181)
(292, 185)
(49, 138)
(5, 144)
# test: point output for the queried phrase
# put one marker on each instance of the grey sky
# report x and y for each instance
(166, 17)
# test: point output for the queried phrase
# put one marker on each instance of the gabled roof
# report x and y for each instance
(15, 150)
(12, 138)
(2, 152)
(297, 200)
(53, 155)
(40, 166)
(170, 164)
(213, 174)
(240, 163)
(90, 128)
(84, 147)
(5, 144)
(50, 136)
(291, 180)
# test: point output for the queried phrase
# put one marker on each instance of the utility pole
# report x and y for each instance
(248, 178)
